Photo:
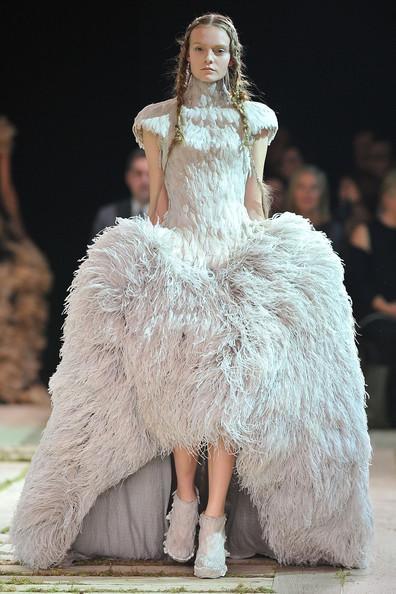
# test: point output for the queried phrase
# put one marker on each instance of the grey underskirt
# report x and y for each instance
(128, 520)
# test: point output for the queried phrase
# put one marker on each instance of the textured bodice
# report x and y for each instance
(205, 176)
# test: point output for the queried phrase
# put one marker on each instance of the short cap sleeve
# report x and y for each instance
(262, 120)
(156, 118)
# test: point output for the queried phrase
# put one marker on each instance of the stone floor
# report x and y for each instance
(20, 429)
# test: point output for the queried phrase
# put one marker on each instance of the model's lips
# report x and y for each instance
(210, 69)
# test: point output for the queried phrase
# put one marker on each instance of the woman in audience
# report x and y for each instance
(308, 195)
(371, 282)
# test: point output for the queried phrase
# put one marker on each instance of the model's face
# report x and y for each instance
(209, 53)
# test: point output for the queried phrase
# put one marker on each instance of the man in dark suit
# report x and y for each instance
(136, 204)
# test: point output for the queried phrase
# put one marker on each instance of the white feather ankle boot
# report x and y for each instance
(211, 554)
(179, 542)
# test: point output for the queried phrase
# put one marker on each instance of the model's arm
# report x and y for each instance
(158, 195)
(253, 201)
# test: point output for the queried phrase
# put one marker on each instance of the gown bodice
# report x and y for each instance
(206, 175)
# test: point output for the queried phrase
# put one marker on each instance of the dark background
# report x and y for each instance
(73, 79)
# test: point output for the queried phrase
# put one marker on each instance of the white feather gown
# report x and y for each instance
(209, 325)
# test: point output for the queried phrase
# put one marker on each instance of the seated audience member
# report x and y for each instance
(291, 160)
(350, 210)
(308, 195)
(136, 203)
(373, 159)
(371, 280)
(278, 188)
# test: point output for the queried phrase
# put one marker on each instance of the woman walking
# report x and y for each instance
(203, 326)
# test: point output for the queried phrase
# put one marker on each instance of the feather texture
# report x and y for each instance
(210, 325)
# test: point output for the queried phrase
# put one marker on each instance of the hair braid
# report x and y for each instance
(236, 82)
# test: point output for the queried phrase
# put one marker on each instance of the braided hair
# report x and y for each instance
(236, 83)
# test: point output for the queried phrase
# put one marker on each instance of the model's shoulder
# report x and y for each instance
(154, 117)
(262, 119)
(157, 109)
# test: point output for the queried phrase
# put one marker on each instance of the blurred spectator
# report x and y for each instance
(371, 280)
(308, 195)
(274, 156)
(380, 158)
(350, 210)
(291, 161)
(279, 189)
(362, 142)
(25, 280)
(136, 203)
(373, 159)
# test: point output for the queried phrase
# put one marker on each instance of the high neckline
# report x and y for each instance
(206, 94)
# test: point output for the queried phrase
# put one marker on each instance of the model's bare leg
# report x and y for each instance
(220, 468)
(186, 466)
(179, 542)
(210, 560)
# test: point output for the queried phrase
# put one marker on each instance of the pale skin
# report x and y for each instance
(307, 196)
(209, 57)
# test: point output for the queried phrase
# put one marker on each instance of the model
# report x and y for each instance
(26, 281)
(208, 325)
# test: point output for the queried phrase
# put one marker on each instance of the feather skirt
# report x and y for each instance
(260, 351)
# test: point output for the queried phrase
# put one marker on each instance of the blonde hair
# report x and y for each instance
(236, 83)
(388, 184)
(324, 198)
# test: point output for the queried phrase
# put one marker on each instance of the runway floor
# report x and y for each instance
(20, 429)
